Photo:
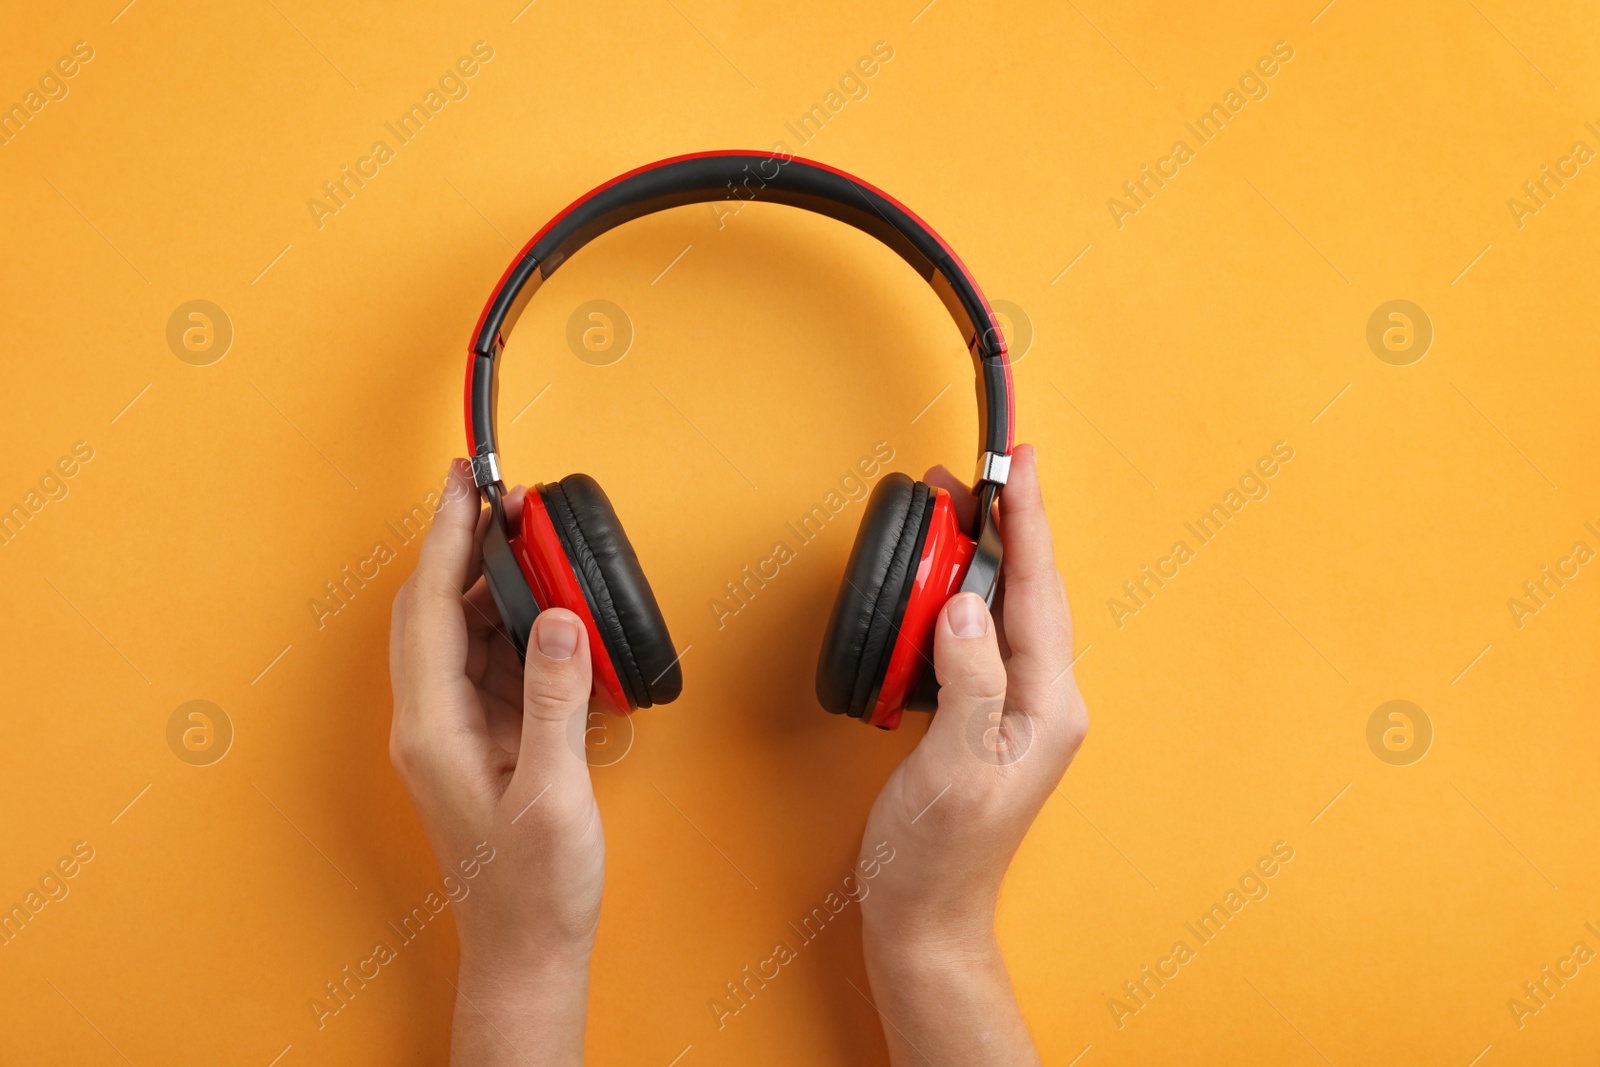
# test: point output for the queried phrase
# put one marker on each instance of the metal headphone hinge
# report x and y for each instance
(486, 469)
(993, 467)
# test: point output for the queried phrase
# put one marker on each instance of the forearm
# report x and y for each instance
(529, 1018)
(947, 1002)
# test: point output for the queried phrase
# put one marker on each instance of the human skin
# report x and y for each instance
(484, 748)
(491, 752)
(1009, 721)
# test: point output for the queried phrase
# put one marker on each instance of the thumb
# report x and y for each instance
(972, 683)
(555, 687)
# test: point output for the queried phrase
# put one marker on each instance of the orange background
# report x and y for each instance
(1228, 314)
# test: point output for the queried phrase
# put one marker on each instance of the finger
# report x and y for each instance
(555, 687)
(502, 687)
(498, 650)
(972, 681)
(436, 634)
(495, 668)
(482, 612)
(1038, 628)
(961, 495)
(443, 566)
(437, 739)
(1030, 548)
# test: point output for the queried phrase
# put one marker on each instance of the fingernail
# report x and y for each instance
(557, 638)
(968, 616)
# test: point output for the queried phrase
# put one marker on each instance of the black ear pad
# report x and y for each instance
(872, 598)
(615, 588)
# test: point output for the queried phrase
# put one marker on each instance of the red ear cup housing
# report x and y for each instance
(574, 554)
(909, 558)
(942, 561)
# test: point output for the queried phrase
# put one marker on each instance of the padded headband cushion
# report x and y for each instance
(872, 598)
(624, 608)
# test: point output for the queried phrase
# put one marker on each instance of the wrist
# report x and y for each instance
(497, 977)
(507, 1010)
(506, 948)
(955, 938)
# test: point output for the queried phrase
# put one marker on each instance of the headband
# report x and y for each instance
(754, 177)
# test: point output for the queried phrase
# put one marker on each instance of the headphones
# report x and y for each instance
(911, 553)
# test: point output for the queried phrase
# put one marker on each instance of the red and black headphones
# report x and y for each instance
(910, 555)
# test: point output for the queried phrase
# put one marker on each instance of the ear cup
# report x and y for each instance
(872, 598)
(614, 585)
